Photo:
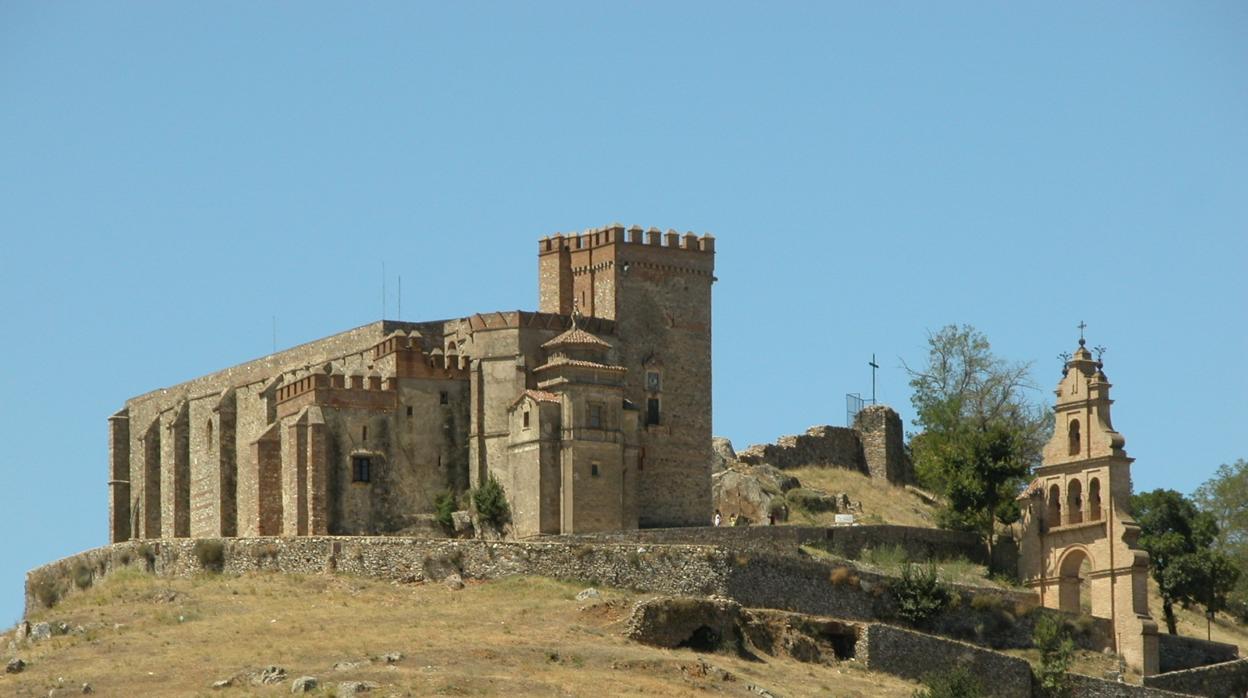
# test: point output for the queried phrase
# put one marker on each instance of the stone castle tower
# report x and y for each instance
(656, 288)
(1076, 529)
(594, 412)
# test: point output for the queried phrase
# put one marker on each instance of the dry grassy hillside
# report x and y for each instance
(142, 635)
(882, 502)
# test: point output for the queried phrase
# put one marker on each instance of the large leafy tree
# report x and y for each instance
(979, 431)
(1225, 497)
(1178, 537)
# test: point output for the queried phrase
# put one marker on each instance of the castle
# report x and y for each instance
(594, 413)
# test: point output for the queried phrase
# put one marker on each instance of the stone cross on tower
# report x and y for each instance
(873, 366)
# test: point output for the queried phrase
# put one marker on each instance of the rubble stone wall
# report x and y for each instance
(1223, 680)
(1178, 653)
(916, 656)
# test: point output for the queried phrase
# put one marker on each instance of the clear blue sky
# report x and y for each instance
(173, 175)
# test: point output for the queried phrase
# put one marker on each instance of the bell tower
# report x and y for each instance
(1076, 530)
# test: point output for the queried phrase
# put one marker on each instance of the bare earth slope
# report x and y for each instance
(142, 635)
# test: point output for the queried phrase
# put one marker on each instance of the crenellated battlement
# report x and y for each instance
(617, 234)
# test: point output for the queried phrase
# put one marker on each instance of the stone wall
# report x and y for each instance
(916, 656)
(1226, 680)
(1089, 687)
(845, 541)
(681, 570)
(837, 447)
(883, 444)
(1177, 653)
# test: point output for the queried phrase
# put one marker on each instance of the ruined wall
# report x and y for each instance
(883, 444)
(830, 446)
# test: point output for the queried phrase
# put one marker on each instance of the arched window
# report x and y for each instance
(1054, 514)
(1075, 441)
(208, 433)
(1074, 502)
(1094, 500)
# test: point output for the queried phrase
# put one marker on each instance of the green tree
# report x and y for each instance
(1206, 577)
(490, 502)
(1178, 538)
(1057, 651)
(979, 432)
(1225, 497)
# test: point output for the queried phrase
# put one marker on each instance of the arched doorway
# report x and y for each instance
(1074, 587)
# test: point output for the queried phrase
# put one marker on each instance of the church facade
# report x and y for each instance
(593, 412)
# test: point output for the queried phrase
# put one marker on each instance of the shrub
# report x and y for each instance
(47, 590)
(82, 575)
(444, 507)
(1052, 638)
(958, 682)
(843, 576)
(987, 602)
(146, 552)
(210, 553)
(919, 593)
(886, 556)
(490, 501)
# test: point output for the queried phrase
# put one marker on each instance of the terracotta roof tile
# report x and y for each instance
(576, 336)
(577, 363)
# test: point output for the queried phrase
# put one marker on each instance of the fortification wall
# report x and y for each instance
(681, 570)
(1216, 681)
(846, 541)
(830, 446)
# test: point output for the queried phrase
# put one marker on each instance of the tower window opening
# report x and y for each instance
(444, 398)
(593, 469)
(526, 419)
(208, 433)
(360, 469)
(1094, 500)
(595, 416)
(364, 433)
(652, 411)
(1075, 440)
(409, 410)
(1074, 502)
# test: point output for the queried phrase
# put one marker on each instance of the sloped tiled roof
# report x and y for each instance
(576, 336)
(538, 395)
(576, 363)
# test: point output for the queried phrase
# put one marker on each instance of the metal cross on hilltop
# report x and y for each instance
(873, 366)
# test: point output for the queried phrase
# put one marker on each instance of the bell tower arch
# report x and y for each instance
(1076, 531)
